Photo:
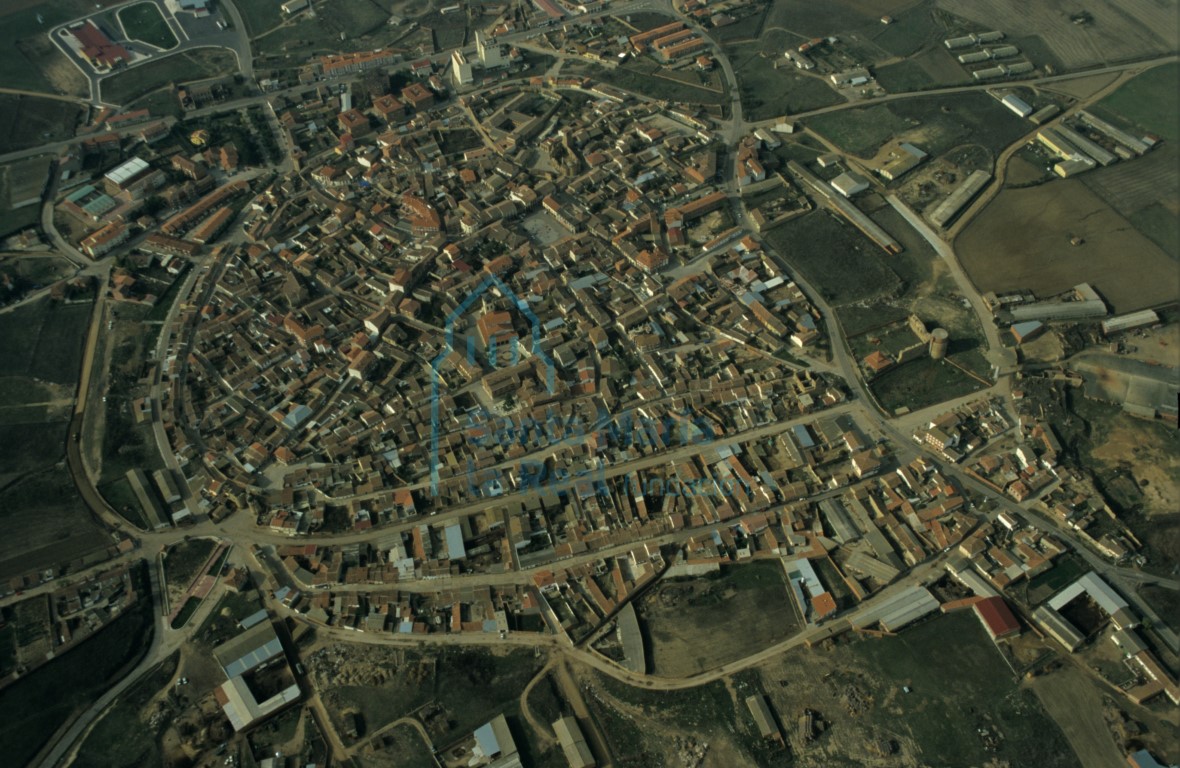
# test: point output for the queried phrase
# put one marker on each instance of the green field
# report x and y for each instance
(124, 87)
(144, 22)
(34, 707)
(920, 383)
(640, 76)
(907, 75)
(838, 261)
(121, 737)
(28, 58)
(182, 562)
(27, 121)
(939, 123)
(1148, 102)
(768, 92)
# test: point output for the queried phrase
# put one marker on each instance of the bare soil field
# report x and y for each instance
(1155, 462)
(1022, 241)
(1122, 30)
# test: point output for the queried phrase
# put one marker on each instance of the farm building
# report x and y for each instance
(257, 647)
(1127, 322)
(1044, 114)
(1027, 331)
(850, 184)
(763, 718)
(997, 618)
(963, 194)
(1058, 628)
(1084, 302)
(1111, 602)
(1094, 151)
(573, 743)
(1127, 140)
(1017, 105)
(899, 611)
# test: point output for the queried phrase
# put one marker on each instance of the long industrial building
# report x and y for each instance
(904, 608)
(1111, 602)
(1122, 137)
(1129, 321)
(847, 209)
(1099, 155)
(963, 194)
(1086, 303)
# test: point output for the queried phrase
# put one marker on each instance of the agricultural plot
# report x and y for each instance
(121, 736)
(1147, 103)
(1022, 241)
(26, 121)
(1147, 192)
(352, 26)
(145, 23)
(920, 383)
(45, 522)
(676, 614)
(34, 707)
(1123, 29)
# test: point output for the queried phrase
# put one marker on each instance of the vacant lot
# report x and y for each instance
(839, 262)
(124, 87)
(959, 684)
(473, 686)
(123, 736)
(143, 22)
(34, 707)
(643, 76)
(1022, 241)
(677, 614)
(937, 124)
(1122, 30)
(1148, 102)
(182, 564)
(1073, 701)
(26, 121)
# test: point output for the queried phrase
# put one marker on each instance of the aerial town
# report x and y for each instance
(544, 383)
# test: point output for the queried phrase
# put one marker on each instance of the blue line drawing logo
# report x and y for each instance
(492, 355)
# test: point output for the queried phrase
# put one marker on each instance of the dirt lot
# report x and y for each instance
(1154, 459)
(1022, 241)
(1073, 701)
(677, 614)
(959, 685)
(1121, 30)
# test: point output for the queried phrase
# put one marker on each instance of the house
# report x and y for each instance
(418, 96)
(353, 121)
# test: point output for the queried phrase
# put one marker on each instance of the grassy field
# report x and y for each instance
(45, 522)
(124, 87)
(259, 15)
(121, 737)
(640, 75)
(920, 383)
(182, 563)
(1022, 241)
(936, 123)
(768, 92)
(34, 707)
(678, 613)
(1148, 102)
(835, 258)
(144, 22)
(27, 121)
(1147, 192)
(352, 26)
(27, 57)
